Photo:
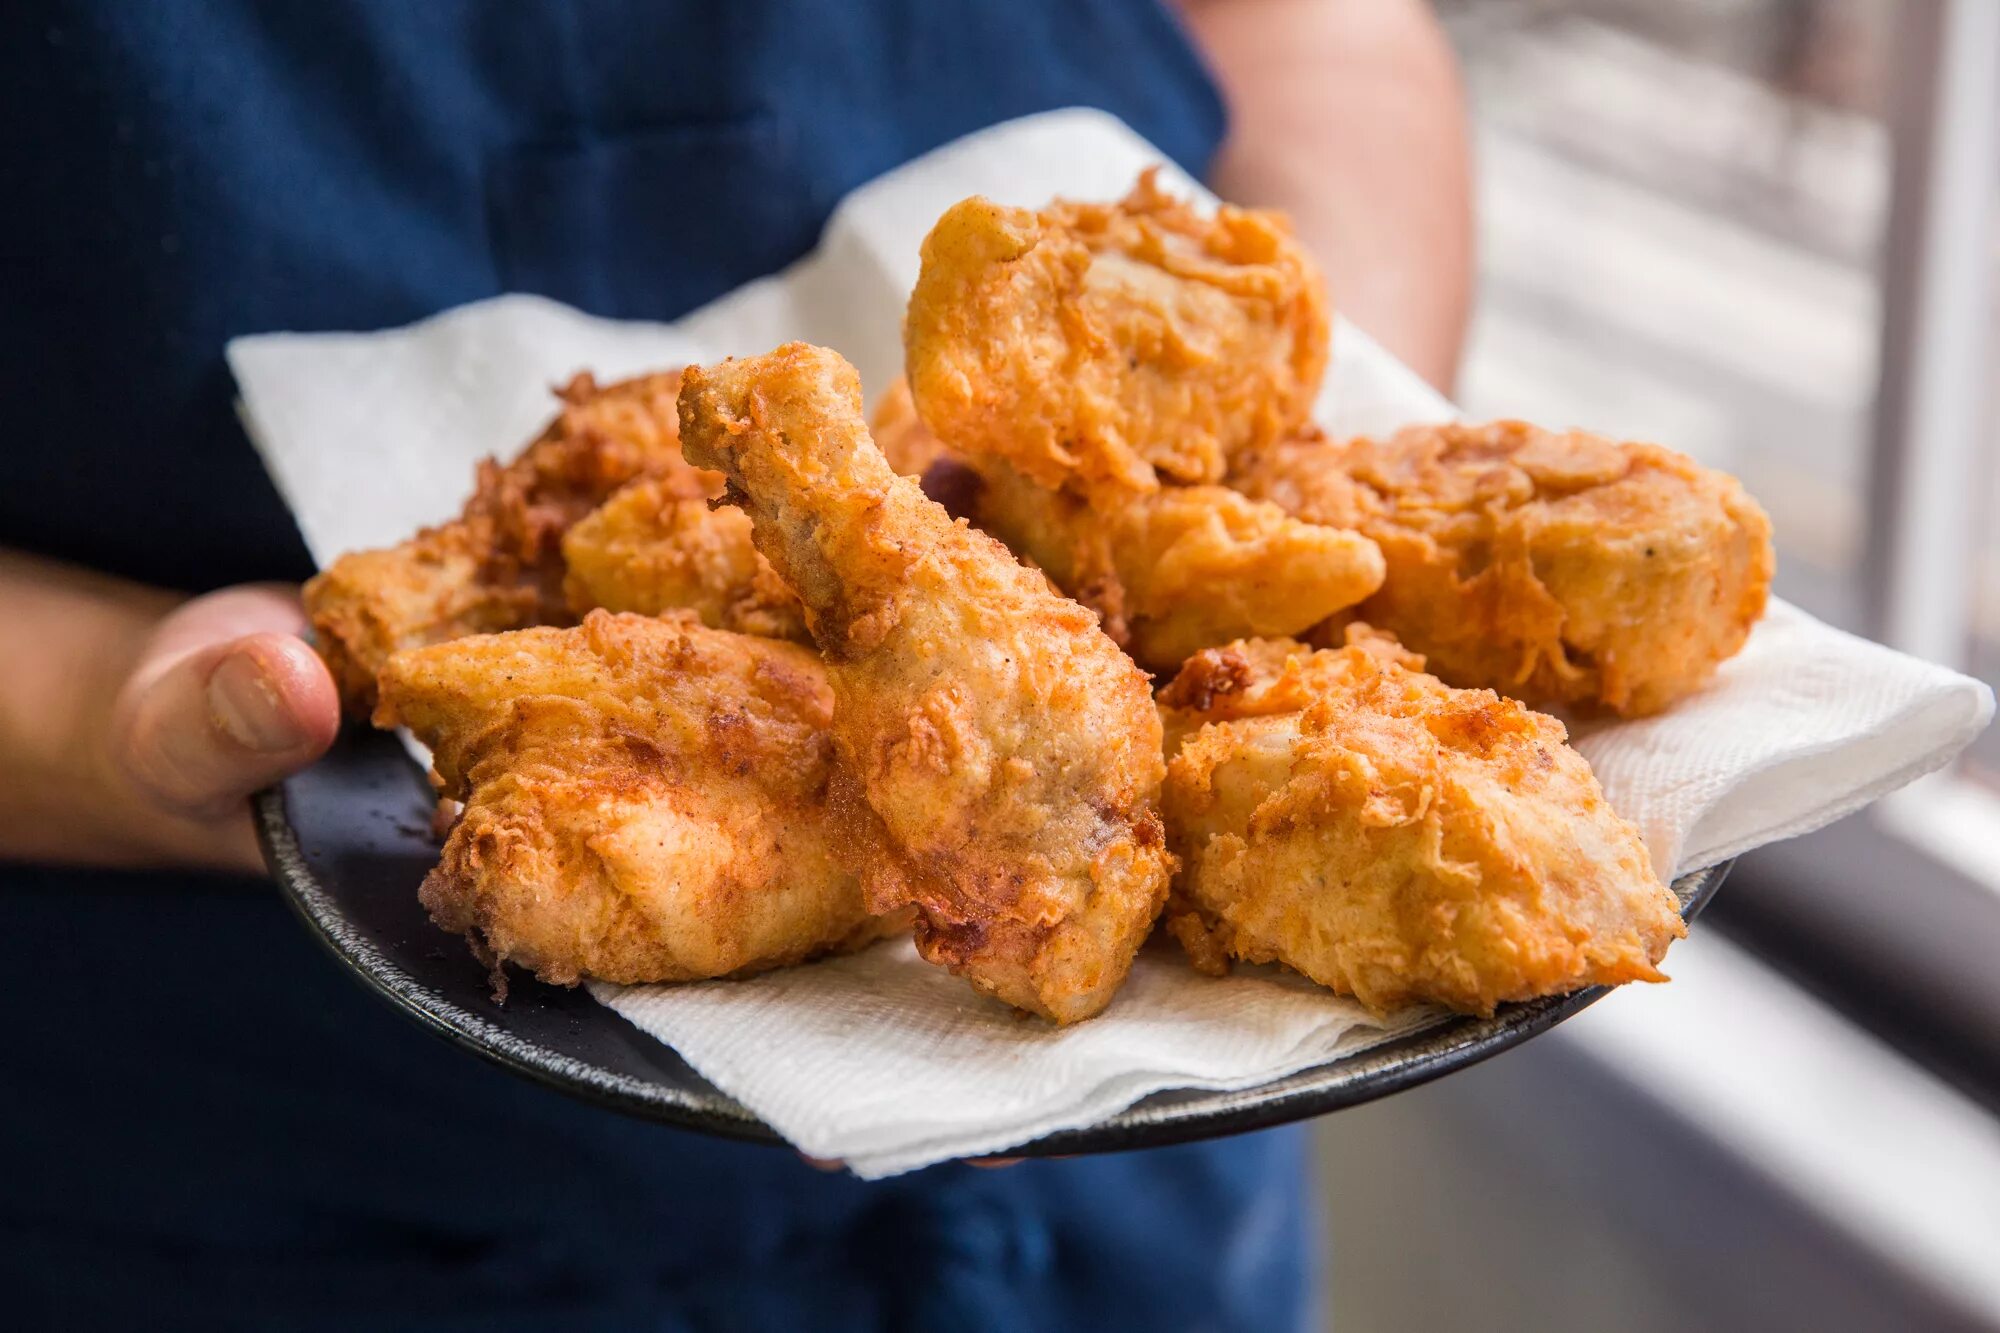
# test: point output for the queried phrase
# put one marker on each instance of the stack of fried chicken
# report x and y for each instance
(717, 679)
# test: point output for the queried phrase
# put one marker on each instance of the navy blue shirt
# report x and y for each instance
(204, 1124)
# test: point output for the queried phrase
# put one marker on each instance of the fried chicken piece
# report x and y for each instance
(910, 446)
(1181, 568)
(644, 799)
(1011, 752)
(1108, 345)
(1398, 840)
(1171, 570)
(498, 566)
(657, 546)
(1270, 677)
(1563, 568)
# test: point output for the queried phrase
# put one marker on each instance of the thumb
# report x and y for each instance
(224, 699)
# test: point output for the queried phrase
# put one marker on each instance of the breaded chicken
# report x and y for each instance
(1110, 346)
(910, 446)
(644, 799)
(499, 565)
(1170, 570)
(658, 546)
(1398, 840)
(1010, 751)
(1562, 568)
(1270, 677)
(1181, 568)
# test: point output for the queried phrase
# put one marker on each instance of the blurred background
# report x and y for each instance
(1763, 232)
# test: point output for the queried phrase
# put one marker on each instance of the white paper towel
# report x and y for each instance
(879, 1059)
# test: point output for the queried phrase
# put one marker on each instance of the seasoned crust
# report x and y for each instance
(1399, 840)
(1169, 571)
(1010, 751)
(644, 799)
(660, 545)
(1114, 346)
(1557, 567)
(498, 565)
(1264, 677)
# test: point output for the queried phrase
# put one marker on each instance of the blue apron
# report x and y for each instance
(203, 1123)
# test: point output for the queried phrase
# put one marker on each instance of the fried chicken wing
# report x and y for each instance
(658, 546)
(1010, 751)
(499, 565)
(1111, 345)
(1184, 567)
(1555, 567)
(1399, 840)
(644, 799)
(1171, 570)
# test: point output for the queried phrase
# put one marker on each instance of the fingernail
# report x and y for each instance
(246, 706)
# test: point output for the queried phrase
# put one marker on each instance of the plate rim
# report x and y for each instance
(1163, 1118)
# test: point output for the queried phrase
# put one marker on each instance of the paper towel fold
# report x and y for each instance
(878, 1058)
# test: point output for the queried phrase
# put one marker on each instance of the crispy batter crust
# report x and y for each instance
(1010, 751)
(1267, 677)
(1564, 568)
(497, 566)
(644, 799)
(1396, 839)
(655, 547)
(1114, 345)
(1171, 570)
(910, 446)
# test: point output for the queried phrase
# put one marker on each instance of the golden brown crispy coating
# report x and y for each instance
(1555, 567)
(1181, 568)
(1107, 345)
(1269, 677)
(1010, 750)
(644, 799)
(1402, 841)
(910, 446)
(654, 547)
(1171, 570)
(497, 566)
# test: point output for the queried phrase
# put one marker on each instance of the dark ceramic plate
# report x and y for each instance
(349, 839)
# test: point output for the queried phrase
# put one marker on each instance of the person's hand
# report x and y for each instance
(222, 699)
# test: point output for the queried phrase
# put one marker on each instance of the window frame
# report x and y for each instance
(1938, 284)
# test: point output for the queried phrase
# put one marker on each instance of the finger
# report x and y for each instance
(202, 723)
(823, 1163)
(994, 1163)
(250, 608)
